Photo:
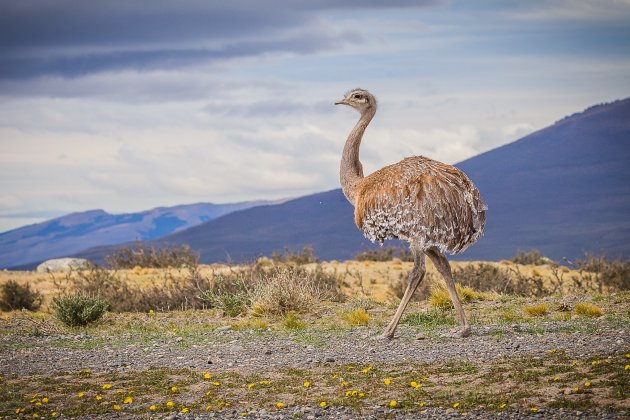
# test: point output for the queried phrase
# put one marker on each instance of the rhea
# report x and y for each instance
(433, 206)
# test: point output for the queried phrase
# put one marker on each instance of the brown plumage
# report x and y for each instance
(433, 206)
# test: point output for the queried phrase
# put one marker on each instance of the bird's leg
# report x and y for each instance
(442, 265)
(415, 278)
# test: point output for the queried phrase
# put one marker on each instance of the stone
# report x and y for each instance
(63, 264)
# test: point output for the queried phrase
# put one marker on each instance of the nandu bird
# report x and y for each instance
(431, 205)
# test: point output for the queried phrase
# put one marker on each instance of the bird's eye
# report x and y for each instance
(357, 96)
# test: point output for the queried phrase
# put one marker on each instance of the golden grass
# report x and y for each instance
(356, 317)
(540, 309)
(588, 309)
(440, 298)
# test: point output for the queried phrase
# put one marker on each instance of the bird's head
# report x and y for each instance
(359, 99)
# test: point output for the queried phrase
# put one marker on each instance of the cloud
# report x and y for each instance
(74, 38)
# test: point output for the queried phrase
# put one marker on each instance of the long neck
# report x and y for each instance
(351, 171)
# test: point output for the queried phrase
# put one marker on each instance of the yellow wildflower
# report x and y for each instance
(627, 367)
(307, 384)
(207, 375)
(587, 384)
(393, 403)
(576, 389)
(415, 384)
(53, 414)
(503, 405)
(35, 415)
(250, 386)
(323, 404)
(627, 355)
(216, 383)
(556, 379)
(279, 405)
(107, 386)
(595, 362)
(81, 394)
(184, 410)
(552, 351)
(422, 404)
(208, 407)
(387, 381)
(170, 404)
(45, 400)
(456, 405)
(533, 409)
(128, 400)
(151, 311)
(98, 397)
(344, 383)
(348, 393)
(174, 388)
(116, 407)
(152, 408)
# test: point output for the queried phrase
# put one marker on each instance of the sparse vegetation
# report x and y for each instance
(306, 256)
(431, 319)
(141, 256)
(14, 296)
(602, 274)
(78, 310)
(533, 257)
(291, 321)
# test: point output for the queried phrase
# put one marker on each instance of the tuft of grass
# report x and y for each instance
(357, 316)
(540, 309)
(431, 319)
(250, 324)
(588, 309)
(292, 322)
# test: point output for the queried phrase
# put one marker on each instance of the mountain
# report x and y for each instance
(77, 231)
(564, 190)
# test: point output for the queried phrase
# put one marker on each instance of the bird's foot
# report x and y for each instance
(385, 337)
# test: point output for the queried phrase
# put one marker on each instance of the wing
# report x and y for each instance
(422, 201)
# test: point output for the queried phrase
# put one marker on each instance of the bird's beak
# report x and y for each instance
(342, 102)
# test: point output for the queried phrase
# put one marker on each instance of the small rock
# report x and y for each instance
(421, 336)
(329, 360)
(179, 339)
(267, 351)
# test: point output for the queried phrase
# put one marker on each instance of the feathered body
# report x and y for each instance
(431, 205)
(421, 201)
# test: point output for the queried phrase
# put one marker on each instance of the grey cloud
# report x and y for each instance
(73, 37)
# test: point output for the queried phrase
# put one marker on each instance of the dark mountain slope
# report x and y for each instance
(564, 190)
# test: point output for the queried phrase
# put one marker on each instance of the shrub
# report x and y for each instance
(78, 309)
(532, 257)
(166, 293)
(588, 309)
(141, 256)
(306, 256)
(357, 316)
(440, 298)
(601, 274)
(15, 296)
(286, 289)
(229, 294)
(540, 309)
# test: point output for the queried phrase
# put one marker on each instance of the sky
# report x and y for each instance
(126, 106)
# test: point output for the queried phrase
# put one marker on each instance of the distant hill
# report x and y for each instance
(564, 190)
(77, 231)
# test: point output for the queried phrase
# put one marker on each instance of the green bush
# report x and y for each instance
(78, 309)
(15, 296)
(230, 294)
